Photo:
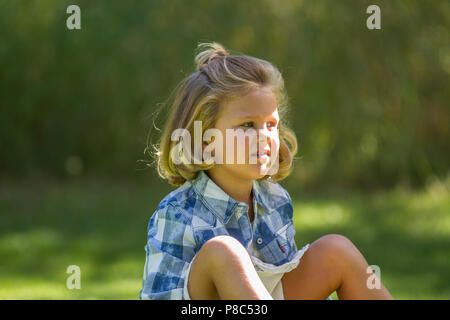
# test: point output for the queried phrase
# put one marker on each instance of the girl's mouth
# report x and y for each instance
(262, 154)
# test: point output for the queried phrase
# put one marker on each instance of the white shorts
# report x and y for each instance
(269, 274)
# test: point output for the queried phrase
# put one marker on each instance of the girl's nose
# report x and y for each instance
(263, 137)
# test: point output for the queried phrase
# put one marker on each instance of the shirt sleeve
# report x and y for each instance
(169, 251)
(291, 230)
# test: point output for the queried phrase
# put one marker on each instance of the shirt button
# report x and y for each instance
(259, 240)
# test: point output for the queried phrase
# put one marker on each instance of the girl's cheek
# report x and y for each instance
(276, 139)
(251, 144)
(274, 144)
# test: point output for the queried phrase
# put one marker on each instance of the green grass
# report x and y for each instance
(101, 227)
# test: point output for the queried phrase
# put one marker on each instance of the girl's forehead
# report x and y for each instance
(257, 103)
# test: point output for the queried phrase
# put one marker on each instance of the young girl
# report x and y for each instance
(227, 231)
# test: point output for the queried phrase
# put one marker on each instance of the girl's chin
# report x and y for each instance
(259, 170)
(250, 171)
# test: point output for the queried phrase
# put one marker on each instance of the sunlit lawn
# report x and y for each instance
(101, 227)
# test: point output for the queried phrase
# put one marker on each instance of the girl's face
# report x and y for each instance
(256, 110)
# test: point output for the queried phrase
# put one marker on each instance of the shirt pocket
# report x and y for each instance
(282, 233)
(285, 239)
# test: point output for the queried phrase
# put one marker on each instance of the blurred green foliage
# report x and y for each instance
(370, 107)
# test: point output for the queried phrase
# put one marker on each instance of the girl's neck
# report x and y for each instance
(238, 189)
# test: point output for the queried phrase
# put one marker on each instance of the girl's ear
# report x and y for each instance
(206, 143)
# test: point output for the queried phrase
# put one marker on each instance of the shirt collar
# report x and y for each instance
(221, 204)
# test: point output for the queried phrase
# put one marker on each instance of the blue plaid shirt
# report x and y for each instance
(200, 210)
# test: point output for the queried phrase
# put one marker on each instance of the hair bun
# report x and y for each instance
(210, 51)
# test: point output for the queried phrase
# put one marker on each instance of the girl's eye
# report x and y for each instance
(250, 124)
(272, 125)
(246, 125)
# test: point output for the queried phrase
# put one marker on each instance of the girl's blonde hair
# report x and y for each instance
(220, 77)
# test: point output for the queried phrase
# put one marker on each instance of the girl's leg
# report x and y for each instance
(223, 269)
(331, 263)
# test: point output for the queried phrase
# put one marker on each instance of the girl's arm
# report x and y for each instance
(170, 249)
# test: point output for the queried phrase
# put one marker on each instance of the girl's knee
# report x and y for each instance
(227, 270)
(224, 248)
(336, 241)
(337, 249)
